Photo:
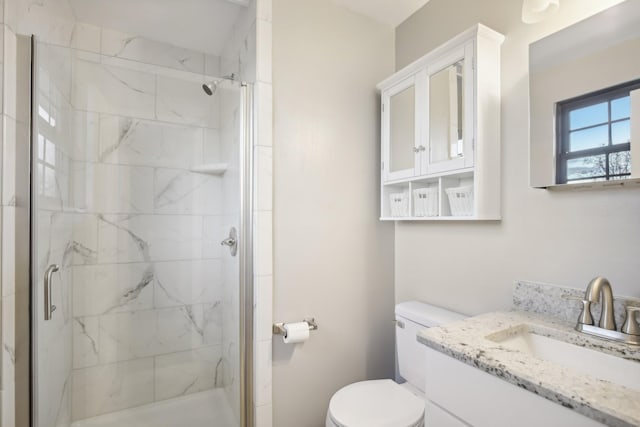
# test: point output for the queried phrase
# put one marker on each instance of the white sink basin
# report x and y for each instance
(580, 359)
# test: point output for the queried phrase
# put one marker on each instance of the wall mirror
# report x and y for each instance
(446, 113)
(584, 103)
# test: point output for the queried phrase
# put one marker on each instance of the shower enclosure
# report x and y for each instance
(140, 239)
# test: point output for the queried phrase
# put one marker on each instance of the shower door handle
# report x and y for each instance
(49, 308)
(231, 241)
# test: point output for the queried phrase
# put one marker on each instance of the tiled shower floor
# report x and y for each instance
(205, 409)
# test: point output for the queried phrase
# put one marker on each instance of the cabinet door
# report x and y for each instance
(400, 131)
(449, 112)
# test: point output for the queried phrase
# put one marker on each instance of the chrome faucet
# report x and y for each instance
(599, 290)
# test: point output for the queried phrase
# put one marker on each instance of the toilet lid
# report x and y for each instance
(380, 403)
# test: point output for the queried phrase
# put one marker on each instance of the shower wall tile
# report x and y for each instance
(264, 178)
(212, 234)
(212, 151)
(111, 288)
(86, 37)
(264, 10)
(183, 192)
(180, 101)
(107, 89)
(55, 237)
(136, 238)
(8, 343)
(51, 20)
(64, 411)
(110, 189)
(54, 73)
(10, 52)
(264, 415)
(8, 415)
(238, 55)
(107, 388)
(125, 140)
(8, 161)
(122, 45)
(84, 245)
(124, 238)
(263, 376)
(263, 311)
(179, 283)
(264, 119)
(264, 52)
(133, 335)
(8, 240)
(86, 350)
(263, 246)
(179, 374)
(176, 237)
(212, 65)
(55, 350)
(85, 136)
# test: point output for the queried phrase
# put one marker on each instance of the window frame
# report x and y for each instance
(564, 108)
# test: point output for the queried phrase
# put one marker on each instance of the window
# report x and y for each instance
(594, 135)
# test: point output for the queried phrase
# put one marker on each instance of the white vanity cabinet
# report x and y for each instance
(441, 132)
(459, 395)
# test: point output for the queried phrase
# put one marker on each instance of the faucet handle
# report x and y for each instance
(585, 317)
(630, 326)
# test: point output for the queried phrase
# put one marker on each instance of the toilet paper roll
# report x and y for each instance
(296, 332)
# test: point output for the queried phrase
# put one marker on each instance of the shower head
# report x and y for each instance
(211, 87)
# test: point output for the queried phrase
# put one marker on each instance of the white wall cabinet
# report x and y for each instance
(460, 395)
(441, 132)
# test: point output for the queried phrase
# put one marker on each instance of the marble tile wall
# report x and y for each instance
(263, 216)
(51, 20)
(146, 264)
(248, 55)
(93, 237)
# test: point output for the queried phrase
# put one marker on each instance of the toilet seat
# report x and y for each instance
(379, 403)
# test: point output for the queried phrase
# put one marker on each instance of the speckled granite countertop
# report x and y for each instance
(476, 342)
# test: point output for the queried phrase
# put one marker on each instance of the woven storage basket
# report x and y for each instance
(399, 204)
(425, 201)
(461, 200)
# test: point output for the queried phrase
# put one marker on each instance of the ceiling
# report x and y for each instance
(392, 12)
(205, 25)
(202, 25)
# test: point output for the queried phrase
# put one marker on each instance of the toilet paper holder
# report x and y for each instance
(278, 328)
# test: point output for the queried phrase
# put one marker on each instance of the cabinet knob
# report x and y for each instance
(416, 149)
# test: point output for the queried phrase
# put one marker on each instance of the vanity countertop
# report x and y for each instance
(475, 341)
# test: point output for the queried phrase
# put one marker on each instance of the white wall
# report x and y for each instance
(557, 237)
(333, 258)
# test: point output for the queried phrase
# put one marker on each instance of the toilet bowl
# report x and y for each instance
(385, 403)
(379, 403)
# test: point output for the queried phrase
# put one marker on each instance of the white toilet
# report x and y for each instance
(385, 403)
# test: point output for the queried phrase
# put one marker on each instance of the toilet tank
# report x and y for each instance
(411, 317)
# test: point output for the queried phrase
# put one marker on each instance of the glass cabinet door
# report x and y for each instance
(449, 123)
(401, 130)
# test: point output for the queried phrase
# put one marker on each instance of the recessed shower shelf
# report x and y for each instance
(211, 169)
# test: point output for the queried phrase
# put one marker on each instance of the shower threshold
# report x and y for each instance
(205, 409)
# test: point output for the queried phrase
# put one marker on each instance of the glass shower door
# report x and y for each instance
(136, 181)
